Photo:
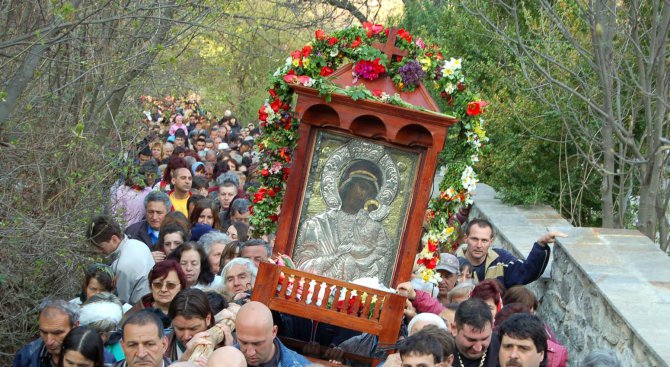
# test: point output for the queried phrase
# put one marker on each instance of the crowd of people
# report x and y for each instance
(182, 262)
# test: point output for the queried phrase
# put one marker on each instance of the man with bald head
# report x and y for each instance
(257, 339)
(227, 356)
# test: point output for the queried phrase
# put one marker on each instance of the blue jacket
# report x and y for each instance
(290, 358)
(29, 355)
(509, 270)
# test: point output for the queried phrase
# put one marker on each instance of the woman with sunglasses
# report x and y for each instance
(166, 279)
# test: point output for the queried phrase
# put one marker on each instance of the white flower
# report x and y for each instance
(334, 52)
(450, 88)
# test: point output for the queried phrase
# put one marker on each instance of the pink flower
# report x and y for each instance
(369, 70)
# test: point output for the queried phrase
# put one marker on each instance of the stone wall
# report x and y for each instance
(604, 288)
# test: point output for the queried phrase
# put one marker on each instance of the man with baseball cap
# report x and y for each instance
(448, 268)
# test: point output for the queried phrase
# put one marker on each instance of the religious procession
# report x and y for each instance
(334, 228)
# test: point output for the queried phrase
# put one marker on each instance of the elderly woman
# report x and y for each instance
(194, 263)
(239, 276)
(214, 243)
(166, 279)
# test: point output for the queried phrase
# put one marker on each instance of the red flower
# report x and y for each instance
(320, 34)
(432, 264)
(325, 71)
(296, 55)
(276, 105)
(373, 29)
(262, 115)
(286, 173)
(398, 58)
(386, 32)
(369, 70)
(332, 41)
(475, 108)
(290, 77)
(272, 92)
(273, 217)
(377, 93)
(460, 86)
(432, 246)
(265, 173)
(260, 195)
(402, 33)
(306, 51)
(356, 43)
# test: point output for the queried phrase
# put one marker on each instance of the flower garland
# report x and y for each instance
(311, 65)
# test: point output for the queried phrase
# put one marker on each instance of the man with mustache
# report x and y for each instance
(56, 319)
(144, 341)
(523, 341)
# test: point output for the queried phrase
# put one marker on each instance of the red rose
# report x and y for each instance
(398, 58)
(356, 42)
(265, 173)
(272, 92)
(377, 93)
(296, 55)
(258, 197)
(273, 217)
(325, 71)
(475, 108)
(460, 86)
(332, 41)
(306, 51)
(320, 34)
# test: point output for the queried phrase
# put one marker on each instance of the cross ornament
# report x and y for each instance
(389, 48)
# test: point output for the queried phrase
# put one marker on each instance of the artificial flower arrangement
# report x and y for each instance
(312, 65)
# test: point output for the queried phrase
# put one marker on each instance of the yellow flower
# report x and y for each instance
(480, 132)
(401, 85)
(426, 63)
(305, 61)
(295, 62)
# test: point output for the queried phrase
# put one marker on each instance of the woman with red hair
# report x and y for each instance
(490, 292)
(166, 279)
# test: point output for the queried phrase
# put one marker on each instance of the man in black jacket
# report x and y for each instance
(157, 205)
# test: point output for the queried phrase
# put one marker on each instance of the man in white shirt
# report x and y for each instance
(130, 259)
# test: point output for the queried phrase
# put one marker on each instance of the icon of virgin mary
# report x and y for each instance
(346, 242)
